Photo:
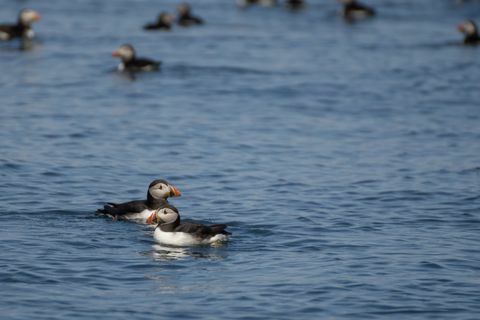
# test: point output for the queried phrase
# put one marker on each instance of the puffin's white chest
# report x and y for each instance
(29, 34)
(184, 239)
(139, 216)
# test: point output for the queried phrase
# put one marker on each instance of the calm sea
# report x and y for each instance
(345, 159)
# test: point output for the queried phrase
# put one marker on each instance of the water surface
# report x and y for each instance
(343, 157)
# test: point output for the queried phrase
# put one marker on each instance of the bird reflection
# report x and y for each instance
(27, 45)
(126, 75)
(21, 45)
(161, 252)
(168, 253)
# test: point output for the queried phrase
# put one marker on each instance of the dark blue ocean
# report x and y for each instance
(345, 159)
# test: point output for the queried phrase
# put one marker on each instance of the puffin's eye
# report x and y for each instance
(161, 187)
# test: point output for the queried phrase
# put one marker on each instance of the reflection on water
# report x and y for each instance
(125, 75)
(162, 252)
(20, 45)
(28, 45)
(213, 252)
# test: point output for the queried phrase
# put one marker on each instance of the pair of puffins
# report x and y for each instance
(129, 60)
(185, 18)
(158, 211)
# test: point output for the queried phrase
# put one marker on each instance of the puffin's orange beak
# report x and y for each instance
(36, 17)
(115, 54)
(174, 192)
(152, 219)
(461, 28)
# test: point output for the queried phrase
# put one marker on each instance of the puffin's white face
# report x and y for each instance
(125, 53)
(163, 191)
(166, 215)
(166, 18)
(183, 9)
(467, 27)
(28, 16)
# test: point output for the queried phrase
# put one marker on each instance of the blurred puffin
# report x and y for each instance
(185, 17)
(171, 231)
(23, 27)
(353, 10)
(470, 30)
(164, 22)
(131, 63)
(295, 4)
(264, 3)
(157, 194)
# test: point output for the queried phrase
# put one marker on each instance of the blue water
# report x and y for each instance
(345, 159)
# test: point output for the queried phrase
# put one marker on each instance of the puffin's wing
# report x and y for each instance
(189, 227)
(219, 228)
(120, 209)
(143, 63)
(150, 26)
(200, 230)
(197, 20)
(363, 7)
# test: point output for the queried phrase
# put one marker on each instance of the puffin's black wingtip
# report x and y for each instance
(220, 229)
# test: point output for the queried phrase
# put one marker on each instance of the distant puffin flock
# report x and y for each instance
(156, 210)
(352, 10)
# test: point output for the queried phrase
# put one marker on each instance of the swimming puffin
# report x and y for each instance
(157, 194)
(185, 17)
(171, 231)
(295, 4)
(164, 22)
(264, 3)
(353, 10)
(470, 30)
(131, 63)
(22, 29)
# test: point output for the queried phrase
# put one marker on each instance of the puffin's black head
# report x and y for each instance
(469, 28)
(126, 52)
(27, 16)
(166, 214)
(162, 189)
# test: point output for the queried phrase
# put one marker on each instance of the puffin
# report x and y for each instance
(185, 17)
(23, 27)
(353, 10)
(164, 22)
(172, 231)
(264, 3)
(295, 4)
(131, 63)
(470, 30)
(158, 192)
